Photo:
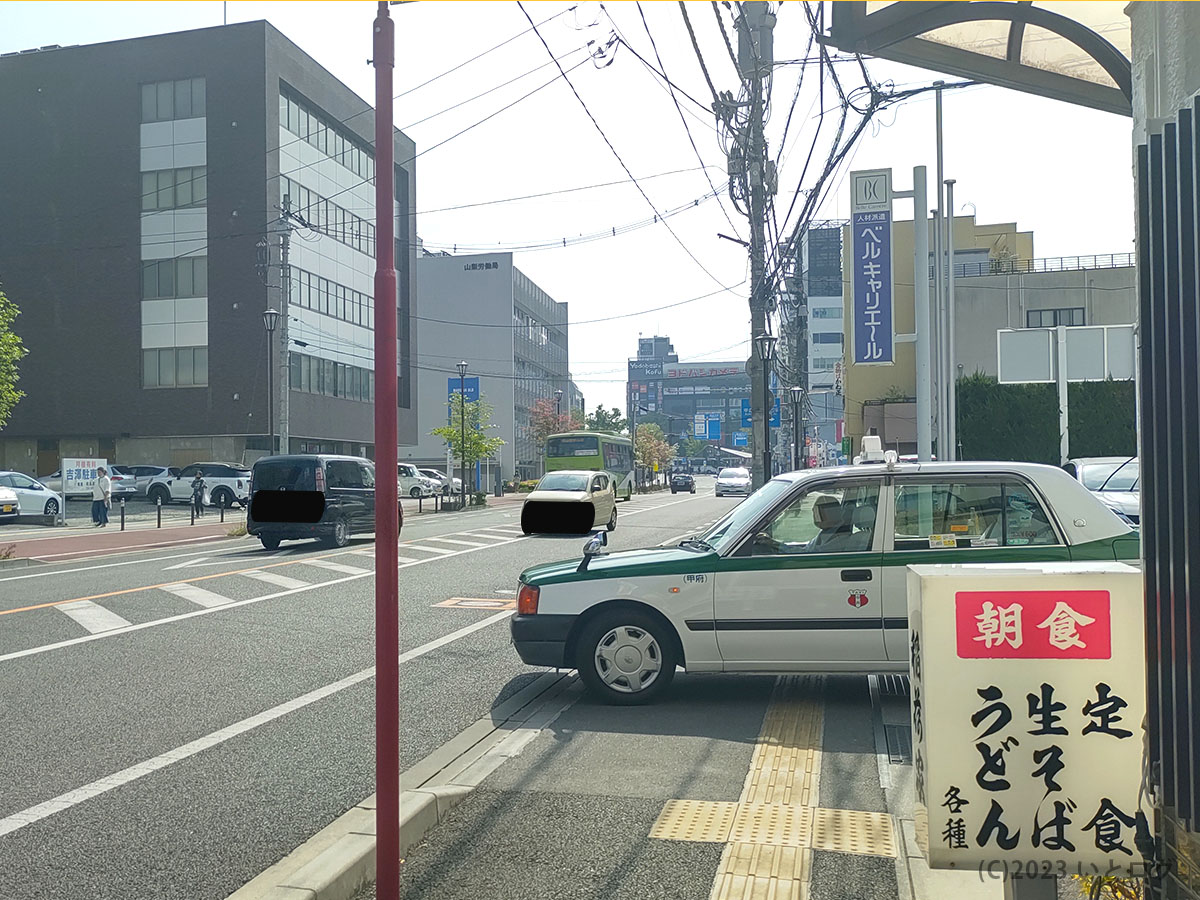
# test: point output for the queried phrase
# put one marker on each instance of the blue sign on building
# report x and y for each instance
(470, 387)
(748, 420)
(714, 426)
(741, 439)
(872, 322)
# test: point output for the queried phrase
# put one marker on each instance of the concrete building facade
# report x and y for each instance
(481, 309)
(147, 172)
(999, 285)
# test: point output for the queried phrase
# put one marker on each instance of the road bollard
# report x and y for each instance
(193, 513)
(420, 501)
(122, 513)
(158, 503)
(222, 509)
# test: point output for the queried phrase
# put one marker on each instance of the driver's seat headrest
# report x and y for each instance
(828, 512)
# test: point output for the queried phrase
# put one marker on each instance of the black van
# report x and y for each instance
(311, 496)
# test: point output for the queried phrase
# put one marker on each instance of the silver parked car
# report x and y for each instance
(1113, 479)
(121, 483)
(33, 497)
(450, 485)
(143, 475)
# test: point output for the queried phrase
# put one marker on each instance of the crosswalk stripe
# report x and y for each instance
(92, 616)
(333, 567)
(272, 578)
(407, 560)
(460, 543)
(507, 532)
(197, 595)
(427, 548)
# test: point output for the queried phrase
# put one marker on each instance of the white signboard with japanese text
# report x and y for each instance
(1028, 694)
(872, 323)
(79, 475)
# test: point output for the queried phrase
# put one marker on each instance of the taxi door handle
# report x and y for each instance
(856, 574)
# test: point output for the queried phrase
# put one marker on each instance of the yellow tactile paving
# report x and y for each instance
(762, 872)
(705, 821)
(854, 831)
(771, 831)
(760, 823)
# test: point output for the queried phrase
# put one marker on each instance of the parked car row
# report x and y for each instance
(1113, 479)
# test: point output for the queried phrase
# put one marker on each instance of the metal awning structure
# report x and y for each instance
(1077, 52)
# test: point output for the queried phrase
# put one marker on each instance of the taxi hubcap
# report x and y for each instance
(628, 659)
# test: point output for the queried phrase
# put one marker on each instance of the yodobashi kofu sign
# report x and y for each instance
(871, 267)
(1028, 693)
(79, 475)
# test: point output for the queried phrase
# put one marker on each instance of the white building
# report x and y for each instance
(512, 335)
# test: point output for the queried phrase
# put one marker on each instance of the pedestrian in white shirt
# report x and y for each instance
(100, 497)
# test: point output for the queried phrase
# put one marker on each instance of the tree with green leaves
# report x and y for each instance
(606, 420)
(478, 415)
(651, 447)
(12, 350)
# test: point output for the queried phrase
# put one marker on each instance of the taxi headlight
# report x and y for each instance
(527, 600)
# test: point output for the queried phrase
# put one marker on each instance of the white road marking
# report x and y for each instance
(334, 567)
(190, 562)
(45, 810)
(457, 542)
(282, 581)
(197, 595)
(93, 617)
(491, 536)
(129, 562)
(113, 551)
(225, 604)
(426, 548)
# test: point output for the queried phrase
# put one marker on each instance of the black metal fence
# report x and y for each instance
(1042, 264)
(1168, 194)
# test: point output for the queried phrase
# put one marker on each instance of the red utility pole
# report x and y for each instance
(387, 526)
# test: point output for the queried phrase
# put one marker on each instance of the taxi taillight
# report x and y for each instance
(527, 600)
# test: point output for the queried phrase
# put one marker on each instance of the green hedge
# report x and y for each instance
(1020, 421)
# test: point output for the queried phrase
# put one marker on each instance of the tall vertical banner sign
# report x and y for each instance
(1028, 696)
(872, 283)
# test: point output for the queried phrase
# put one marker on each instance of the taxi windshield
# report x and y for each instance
(749, 510)
(563, 481)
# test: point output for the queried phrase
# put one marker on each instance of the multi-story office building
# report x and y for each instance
(146, 174)
(576, 402)
(644, 387)
(812, 332)
(483, 310)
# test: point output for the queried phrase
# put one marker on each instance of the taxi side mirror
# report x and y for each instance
(594, 545)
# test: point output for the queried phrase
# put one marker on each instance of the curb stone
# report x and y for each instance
(339, 859)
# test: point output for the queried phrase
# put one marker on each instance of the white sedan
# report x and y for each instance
(34, 498)
(807, 575)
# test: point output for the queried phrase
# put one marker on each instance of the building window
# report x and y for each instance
(328, 218)
(1048, 318)
(174, 188)
(167, 100)
(166, 278)
(332, 299)
(825, 363)
(825, 312)
(312, 127)
(312, 375)
(827, 337)
(175, 367)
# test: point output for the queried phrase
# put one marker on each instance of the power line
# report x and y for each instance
(725, 34)
(641, 190)
(682, 119)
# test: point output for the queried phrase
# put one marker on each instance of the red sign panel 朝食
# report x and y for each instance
(1033, 625)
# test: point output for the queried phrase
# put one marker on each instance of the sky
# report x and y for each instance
(1060, 171)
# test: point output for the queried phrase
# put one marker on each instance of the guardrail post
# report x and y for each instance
(158, 503)
(122, 513)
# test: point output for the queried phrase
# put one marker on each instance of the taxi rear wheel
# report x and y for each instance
(626, 657)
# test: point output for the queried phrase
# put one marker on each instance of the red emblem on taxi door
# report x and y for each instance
(857, 600)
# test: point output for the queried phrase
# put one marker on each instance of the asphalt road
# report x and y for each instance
(177, 720)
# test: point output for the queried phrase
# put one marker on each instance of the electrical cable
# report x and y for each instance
(696, 47)
(728, 46)
(688, 131)
(613, 149)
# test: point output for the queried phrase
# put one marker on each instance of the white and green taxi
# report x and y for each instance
(806, 575)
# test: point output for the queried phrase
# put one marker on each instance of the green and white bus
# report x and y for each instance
(595, 451)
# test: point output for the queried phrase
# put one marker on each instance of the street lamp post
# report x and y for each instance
(797, 432)
(462, 417)
(558, 402)
(270, 320)
(765, 344)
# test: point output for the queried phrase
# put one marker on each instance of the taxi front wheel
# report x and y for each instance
(626, 657)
